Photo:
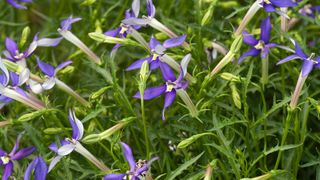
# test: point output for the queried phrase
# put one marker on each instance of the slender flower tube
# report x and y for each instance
(6, 159)
(39, 167)
(171, 88)
(15, 3)
(308, 64)
(65, 32)
(136, 168)
(68, 145)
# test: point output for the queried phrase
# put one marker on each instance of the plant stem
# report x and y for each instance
(264, 70)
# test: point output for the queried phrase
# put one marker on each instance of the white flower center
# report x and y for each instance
(5, 159)
(18, 55)
(170, 86)
(260, 45)
(154, 56)
(267, 1)
(123, 29)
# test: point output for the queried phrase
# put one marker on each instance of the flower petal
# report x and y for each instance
(299, 50)
(49, 42)
(168, 100)
(66, 24)
(150, 8)
(62, 65)
(54, 162)
(289, 58)
(145, 167)
(41, 170)
(66, 149)
(269, 8)
(14, 79)
(114, 177)
(49, 83)
(173, 42)
(137, 64)
(35, 87)
(8, 168)
(251, 52)
(112, 32)
(306, 68)
(16, 145)
(265, 30)
(151, 93)
(135, 21)
(184, 64)
(46, 68)
(167, 72)
(135, 6)
(153, 43)
(23, 153)
(54, 146)
(77, 126)
(129, 156)
(249, 39)
(11, 46)
(30, 168)
(283, 3)
(2, 152)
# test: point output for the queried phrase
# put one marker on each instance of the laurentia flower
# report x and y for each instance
(6, 159)
(309, 63)
(137, 169)
(171, 88)
(39, 167)
(64, 30)
(158, 50)
(261, 46)
(15, 3)
(309, 10)
(12, 52)
(68, 145)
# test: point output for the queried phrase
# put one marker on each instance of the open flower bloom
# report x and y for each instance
(309, 62)
(158, 50)
(68, 145)
(126, 29)
(172, 84)
(39, 167)
(261, 46)
(12, 52)
(137, 169)
(145, 20)
(50, 73)
(271, 5)
(64, 30)
(309, 10)
(15, 3)
(6, 159)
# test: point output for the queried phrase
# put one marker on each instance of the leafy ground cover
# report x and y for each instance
(184, 89)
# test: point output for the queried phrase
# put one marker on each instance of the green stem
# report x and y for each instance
(144, 122)
(284, 137)
(264, 70)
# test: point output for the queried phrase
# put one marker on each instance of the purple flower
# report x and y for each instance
(271, 5)
(136, 168)
(39, 167)
(50, 73)
(157, 49)
(15, 3)
(6, 159)
(67, 23)
(12, 52)
(172, 84)
(67, 145)
(308, 62)
(309, 10)
(261, 46)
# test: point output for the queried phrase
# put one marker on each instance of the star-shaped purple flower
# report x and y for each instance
(6, 159)
(309, 10)
(271, 5)
(261, 46)
(15, 3)
(136, 168)
(308, 62)
(68, 145)
(157, 49)
(12, 52)
(172, 84)
(39, 167)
